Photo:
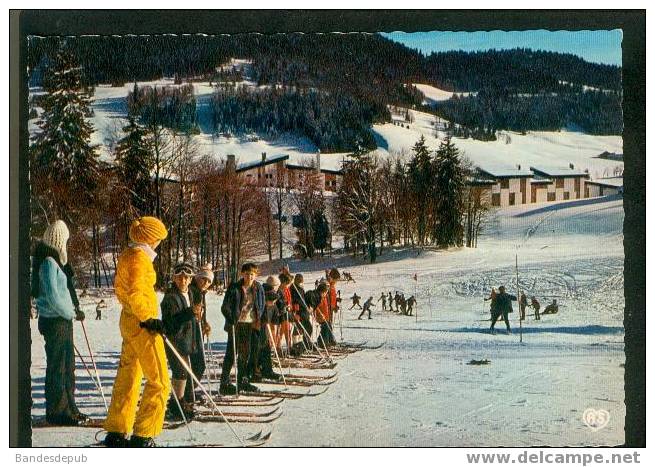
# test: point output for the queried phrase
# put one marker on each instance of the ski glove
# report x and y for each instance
(79, 315)
(153, 325)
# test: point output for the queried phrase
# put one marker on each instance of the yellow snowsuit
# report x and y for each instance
(142, 353)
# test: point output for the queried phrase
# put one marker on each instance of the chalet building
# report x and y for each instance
(603, 187)
(270, 171)
(560, 184)
(509, 186)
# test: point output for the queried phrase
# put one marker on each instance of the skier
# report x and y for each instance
(396, 300)
(286, 318)
(243, 307)
(355, 298)
(410, 305)
(198, 289)
(535, 306)
(390, 298)
(142, 351)
(348, 278)
(261, 365)
(99, 307)
(551, 309)
(503, 307)
(523, 303)
(180, 313)
(319, 300)
(383, 297)
(300, 311)
(403, 304)
(367, 307)
(55, 305)
(333, 301)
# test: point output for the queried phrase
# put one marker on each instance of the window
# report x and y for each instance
(495, 199)
(551, 196)
(566, 195)
(504, 183)
(512, 199)
(559, 183)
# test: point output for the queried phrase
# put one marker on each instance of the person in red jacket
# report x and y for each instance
(284, 330)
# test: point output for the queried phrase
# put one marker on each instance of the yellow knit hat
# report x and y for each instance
(148, 230)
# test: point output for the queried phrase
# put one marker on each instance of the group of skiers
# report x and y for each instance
(501, 306)
(403, 306)
(258, 318)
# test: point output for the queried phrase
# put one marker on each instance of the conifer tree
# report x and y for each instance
(64, 162)
(450, 188)
(135, 162)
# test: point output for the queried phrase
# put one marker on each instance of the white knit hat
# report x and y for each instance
(206, 273)
(56, 236)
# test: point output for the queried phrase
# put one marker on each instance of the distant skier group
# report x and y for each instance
(258, 318)
(403, 306)
(501, 306)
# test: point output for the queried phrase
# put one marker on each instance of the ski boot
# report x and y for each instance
(272, 376)
(245, 385)
(227, 389)
(142, 442)
(173, 413)
(115, 440)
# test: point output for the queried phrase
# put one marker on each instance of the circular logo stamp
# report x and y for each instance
(596, 419)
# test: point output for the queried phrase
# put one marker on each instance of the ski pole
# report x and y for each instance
(79, 355)
(202, 388)
(86, 337)
(204, 358)
(279, 363)
(236, 360)
(179, 407)
(310, 340)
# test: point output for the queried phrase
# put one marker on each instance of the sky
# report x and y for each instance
(593, 46)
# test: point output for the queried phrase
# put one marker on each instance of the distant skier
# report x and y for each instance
(492, 297)
(535, 306)
(355, 298)
(367, 307)
(551, 309)
(390, 298)
(503, 308)
(348, 277)
(383, 297)
(523, 303)
(403, 305)
(396, 299)
(99, 307)
(410, 305)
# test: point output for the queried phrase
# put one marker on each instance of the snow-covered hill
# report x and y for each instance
(550, 149)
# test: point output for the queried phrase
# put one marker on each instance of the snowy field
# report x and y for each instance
(418, 390)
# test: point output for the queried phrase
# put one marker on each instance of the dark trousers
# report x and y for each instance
(498, 314)
(260, 353)
(60, 368)
(307, 324)
(325, 337)
(363, 312)
(536, 312)
(243, 334)
(198, 367)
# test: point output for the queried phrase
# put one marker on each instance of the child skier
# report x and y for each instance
(355, 298)
(367, 307)
(242, 308)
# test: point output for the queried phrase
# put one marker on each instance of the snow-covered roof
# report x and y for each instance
(540, 179)
(500, 171)
(558, 172)
(611, 182)
(262, 162)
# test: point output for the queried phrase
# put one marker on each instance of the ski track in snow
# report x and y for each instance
(418, 390)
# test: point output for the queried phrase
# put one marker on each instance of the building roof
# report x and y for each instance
(262, 162)
(537, 179)
(332, 171)
(505, 172)
(300, 167)
(611, 182)
(558, 172)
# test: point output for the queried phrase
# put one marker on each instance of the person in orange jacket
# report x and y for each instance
(142, 353)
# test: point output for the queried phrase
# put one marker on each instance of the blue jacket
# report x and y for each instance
(54, 300)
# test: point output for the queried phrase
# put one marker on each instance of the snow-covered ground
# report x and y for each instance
(418, 390)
